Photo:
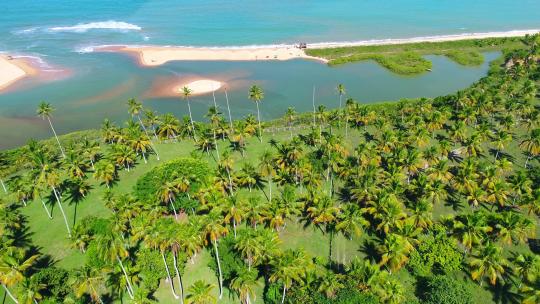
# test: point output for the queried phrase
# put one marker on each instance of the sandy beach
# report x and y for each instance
(12, 70)
(158, 55)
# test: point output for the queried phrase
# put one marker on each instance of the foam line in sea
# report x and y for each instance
(437, 38)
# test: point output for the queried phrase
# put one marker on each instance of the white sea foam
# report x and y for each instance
(463, 36)
(85, 49)
(102, 25)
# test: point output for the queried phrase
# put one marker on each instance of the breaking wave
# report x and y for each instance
(102, 25)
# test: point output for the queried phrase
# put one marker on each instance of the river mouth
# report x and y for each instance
(102, 83)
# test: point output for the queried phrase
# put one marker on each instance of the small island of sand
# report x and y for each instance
(158, 55)
(12, 70)
(199, 87)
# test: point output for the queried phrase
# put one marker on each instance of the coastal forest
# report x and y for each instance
(431, 200)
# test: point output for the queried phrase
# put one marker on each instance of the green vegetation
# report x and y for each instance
(430, 200)
(406, 59)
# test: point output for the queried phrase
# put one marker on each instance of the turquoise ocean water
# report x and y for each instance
(62, 34)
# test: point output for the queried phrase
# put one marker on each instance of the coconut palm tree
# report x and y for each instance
(134, 110)
(214, 229)
(105, 171)
(256, 95)
(14, 266)
(187, 92)
(288, 268)
(30, 291)
(266, 168)
(112, 248)
(531, 144)
(395, 251)
(290, 115)
(89, 280)
(244, 284)
(200, 293)
(341, 91)
(45, 111)
(488, 262)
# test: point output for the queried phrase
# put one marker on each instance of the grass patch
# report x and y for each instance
(466, 58)
(406, 59)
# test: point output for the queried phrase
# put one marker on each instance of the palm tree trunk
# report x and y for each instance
(56, 136)
(191, 119)
(270, 188)
(527, 161)
(313, 102)
(174, 209)
(229, 110)
(169, 275)
(130, 288)
(215, 143)
(3, 185)
(46, 209)
(230, 181)
(283, 296)
(9, 294)
(259, 120)
(179, 279)
(234, 227)
(219, 270)
(214, 97)
(62, 210)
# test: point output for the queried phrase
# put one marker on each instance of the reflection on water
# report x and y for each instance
(102, 82)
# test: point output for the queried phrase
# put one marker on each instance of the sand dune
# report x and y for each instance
(12, 70)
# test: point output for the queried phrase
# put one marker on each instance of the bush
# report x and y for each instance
(272, 293)
(148, 185)
(231, 263)
(55, 279)
(151, 268)
(436, 253)
(442, 289)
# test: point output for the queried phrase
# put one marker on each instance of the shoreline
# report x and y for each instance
(13, 69)
(154, 55)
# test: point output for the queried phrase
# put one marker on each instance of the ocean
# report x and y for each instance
(90, 86)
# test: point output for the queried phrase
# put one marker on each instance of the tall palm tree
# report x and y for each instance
(531, 144)
(14, 265)
(256, 94)
(89, 280)
(341, 91)
(214, 229)
(105, 171)
(266, 167)
(134, 110)
(30, 291)
(112, 248)
(288, 268)
(187, 92)
(45, 110)
(395, 251)
(200, 293)
(290, 115)
(229, 111)
(244, 284)
(488, 262)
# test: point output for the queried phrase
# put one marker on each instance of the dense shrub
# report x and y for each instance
(442, 289)
(231, 263)
(151, 268)
(147, 185)
(92, 225)
(436, 253)
(55, 279)
(272, 293)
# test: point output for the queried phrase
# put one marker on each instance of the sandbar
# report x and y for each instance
(13, 69)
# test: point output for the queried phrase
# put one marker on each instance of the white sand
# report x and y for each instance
(11, 70)
(157, 55)
(199, 87)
